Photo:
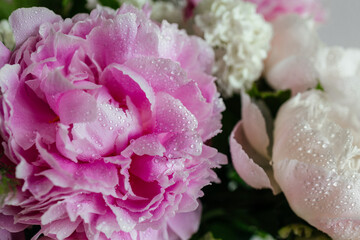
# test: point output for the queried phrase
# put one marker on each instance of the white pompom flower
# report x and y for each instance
(241, 39)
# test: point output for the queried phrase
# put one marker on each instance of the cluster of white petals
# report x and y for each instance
(241, 39)
(6, 34)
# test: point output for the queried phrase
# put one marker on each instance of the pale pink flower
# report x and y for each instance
(272, 9)
(105, 117)
(314, 159)
(292, 60)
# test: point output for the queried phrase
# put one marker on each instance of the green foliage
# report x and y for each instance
(65, 8)
(319, 87)
(301, 232)
(209, 236)
(8, 182)
(272, 99)
(110, 3)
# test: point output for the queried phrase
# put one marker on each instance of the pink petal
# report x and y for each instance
(186, 224)
(76, 106)
(172, 116)
(122, 82)
(86, 206)
(163, 75)
(4, 54)
(61, 228)
(253, 168)
(19, 109)
(25, 22)
(145, 145)
(118, 34)
(254, 126)
(7, 222)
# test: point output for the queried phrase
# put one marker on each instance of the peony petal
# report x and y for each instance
(254, 126)
(293, 50)
(186, 224)
(253, 168)
(324, 198)
(122, 82)
(4, 55)
(172, 116)
(61, 228)
(19, 104)
(76, 106)
(5, 235)
(302, 71)
(25, 22)
(118, 34)
(145, 145)
(315, 158)
(7, 222)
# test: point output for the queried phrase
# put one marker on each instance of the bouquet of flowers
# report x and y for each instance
(116, 115)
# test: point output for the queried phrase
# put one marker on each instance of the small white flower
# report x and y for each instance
(136, 3)
(267, 237)
(91, 4)
(173, 13)
(6, 34)
(241, 39)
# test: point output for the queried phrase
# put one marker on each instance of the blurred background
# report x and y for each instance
(342, 26)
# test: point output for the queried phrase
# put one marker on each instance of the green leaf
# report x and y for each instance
(110, 3)
(272, 99)
(319, 87)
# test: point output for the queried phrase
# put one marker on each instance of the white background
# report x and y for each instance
(342, 26)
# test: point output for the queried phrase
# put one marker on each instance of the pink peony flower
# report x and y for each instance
(271, 9)
(105, 117)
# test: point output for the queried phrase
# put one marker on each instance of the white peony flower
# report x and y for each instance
(6, 34)
(315, 159)
(339, 74)
(240, 37)
(316, 163)
(291, 60)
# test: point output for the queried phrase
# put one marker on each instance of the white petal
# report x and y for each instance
(316, 164)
